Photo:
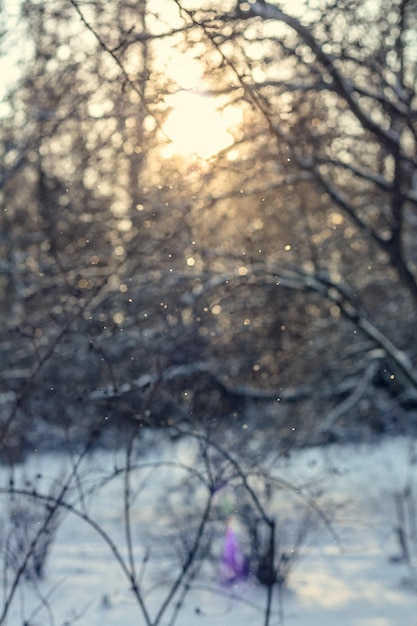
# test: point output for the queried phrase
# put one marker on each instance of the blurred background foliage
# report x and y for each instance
(208, 214)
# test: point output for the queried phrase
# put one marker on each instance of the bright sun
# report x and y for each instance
(196, 126)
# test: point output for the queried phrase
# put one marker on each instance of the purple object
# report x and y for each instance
(234, 566)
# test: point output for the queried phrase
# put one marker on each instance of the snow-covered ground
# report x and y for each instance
(346, 575)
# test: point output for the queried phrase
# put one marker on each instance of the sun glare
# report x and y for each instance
(196, 126)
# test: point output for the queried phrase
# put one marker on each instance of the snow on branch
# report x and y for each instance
(338, 294)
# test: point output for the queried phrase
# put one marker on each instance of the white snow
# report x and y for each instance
(347, 579)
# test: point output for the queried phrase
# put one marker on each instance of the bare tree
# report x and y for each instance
(273, 280)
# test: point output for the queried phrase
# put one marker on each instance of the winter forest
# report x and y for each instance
(208, 304)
